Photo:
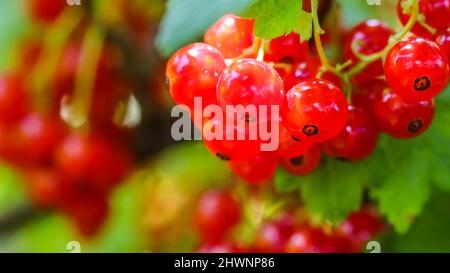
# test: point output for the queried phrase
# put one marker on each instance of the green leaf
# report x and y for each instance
(334, 190)
(186, 21)
(285, 182)
(279, 17)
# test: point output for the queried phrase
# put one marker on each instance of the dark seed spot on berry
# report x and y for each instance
(343, 159)
(310, 130)
(248, 118)
(415, 126)
(296, 139)
(223, 157)
(297, 161)
(287, 60)
(422, 83)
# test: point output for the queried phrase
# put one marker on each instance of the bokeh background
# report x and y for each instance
(150, 208)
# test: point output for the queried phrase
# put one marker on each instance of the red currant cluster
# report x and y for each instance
(72, 170)
(218, 214)
(234, 67)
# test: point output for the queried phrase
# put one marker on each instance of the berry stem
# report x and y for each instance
(317, 30)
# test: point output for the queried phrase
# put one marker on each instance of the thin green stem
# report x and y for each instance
(317, 30)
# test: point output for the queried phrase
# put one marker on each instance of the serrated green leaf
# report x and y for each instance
(186, 21)
(279, 17)
(285, 182)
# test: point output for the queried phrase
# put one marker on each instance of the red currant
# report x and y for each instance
(306, 240)
(402, 119)
(13, 99)
(273, 236)
(192, 72)
(45, 186)
(249, 82)
(223, 141)
(304, 164)
(365, 95)
(257, 170)
(315, 110)
(46, 10)
(233, 36)
(218, 248)
(367, 38)
(443, 40)
(215, 214)
(357, 141)
(289, 145)
(416, 69)
(436, 15)
(362, 225)
(287, 49)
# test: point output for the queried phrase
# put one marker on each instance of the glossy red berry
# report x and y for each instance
(287, 49)
(233, 36)
(416, 69)
(221, 139)
(249, 82)
(291, 146)
(401, 119)
(306, 240)
(192, 72)
(216, 212)
(315, 110)
(273, 236)
(443, 40)
(14, 102)
(435, 11)
(46, 10)
(364, 96)
(304, 164)
(358, 139)
(46, 186)
(307, 69)
(367, 38)
(362, 225)
(258, 170)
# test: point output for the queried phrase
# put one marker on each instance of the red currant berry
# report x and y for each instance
(287, 49)
(257, 170)
(13, 99)
(233, 36)
(308, 69)
(290, 146)
(221, 139)
(273, 236)
(357, 141)
(45, 187)
(192, 72)
(304, 164)
(401, 119)
(362, 225)
(435, 11)
(365, 95)
(249, 82)
(416, 69)
(306, 240)
(315, 110)
(367, 38)
(218, 248)
(443, 40)
(46, 10)
(215, 214)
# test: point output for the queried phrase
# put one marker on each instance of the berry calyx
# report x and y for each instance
(193, 71)
(358, 139)
(416, 69)
(315, 110)
(401, 119)
(233, 36)
(291, 146)
(304, 164)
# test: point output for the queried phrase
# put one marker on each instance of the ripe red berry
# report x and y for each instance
(443, 40)
(306, 240)
(193, 71)
(258, 170)
(306, 69)
(233, 36)
(13, 99)
(364, 96)
(218, 248)
(273, 236)
(358, 139)
(402, 119)
(435, 11)
(249, 82)
(224, 143)
(315, 110)
(46, 10)
(216, 212)
(416, 69)
(362, 225)
(287, 49)
(290, 146)
(304, 164)
(368, 37)
(46, 187)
